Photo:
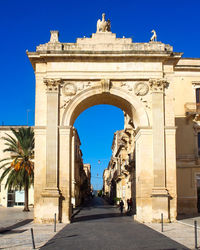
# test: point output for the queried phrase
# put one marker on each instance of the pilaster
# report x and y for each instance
(73, 168)
(65, 171)
(52, 93)
(160, 196)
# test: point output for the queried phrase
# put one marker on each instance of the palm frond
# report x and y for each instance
(19, 167)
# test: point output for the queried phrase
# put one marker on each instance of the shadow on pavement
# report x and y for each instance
(5, 230)
(95, 217)
(187, 216)
(121, 233)
(136, 236)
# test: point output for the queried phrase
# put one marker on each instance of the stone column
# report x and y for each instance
(73, 198)
(160, 196)
(65, 160)
(51, 193)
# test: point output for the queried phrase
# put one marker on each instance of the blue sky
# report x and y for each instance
(26, 24)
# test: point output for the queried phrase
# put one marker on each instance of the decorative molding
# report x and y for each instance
(127, 86)
(158, 85)
(141, 88)
(52, 84)
(69, 89)
(52, 192)
(65, 102)
(196, 84)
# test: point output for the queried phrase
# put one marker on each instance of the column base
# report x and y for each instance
(160, 204)
(45, 212)
(50, 192)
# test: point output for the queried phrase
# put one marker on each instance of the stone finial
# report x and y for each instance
(54, 36)
(103, 25)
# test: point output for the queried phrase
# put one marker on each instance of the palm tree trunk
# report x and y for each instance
(26, 208)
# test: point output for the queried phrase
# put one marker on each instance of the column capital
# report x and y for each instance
(158, 85)
(52, 85)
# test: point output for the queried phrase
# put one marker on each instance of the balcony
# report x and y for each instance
(117, 175)
(192, 110)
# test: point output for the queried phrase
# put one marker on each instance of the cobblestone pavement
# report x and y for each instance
(15, 228)
(100, 226)
(97, 226)
(13, 215)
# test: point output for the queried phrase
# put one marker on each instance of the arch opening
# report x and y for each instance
(97, 128)
(116, 97)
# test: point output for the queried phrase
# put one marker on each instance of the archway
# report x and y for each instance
(104, 69)
(115, 96)
(130, 105)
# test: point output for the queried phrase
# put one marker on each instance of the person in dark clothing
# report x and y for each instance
(128, 204)
(131, 204)
(121, 206)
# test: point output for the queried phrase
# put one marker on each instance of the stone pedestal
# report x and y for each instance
(160, 204)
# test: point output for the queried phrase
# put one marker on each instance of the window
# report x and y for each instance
(198, 95)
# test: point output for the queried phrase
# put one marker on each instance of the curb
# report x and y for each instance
(184, 223)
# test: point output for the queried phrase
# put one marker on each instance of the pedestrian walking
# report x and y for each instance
(131, 204)
(128, 204)
(121, 206)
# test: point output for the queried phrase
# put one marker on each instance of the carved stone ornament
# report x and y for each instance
(141, 88)
(103, 25)
(127, 86)
(52, 84)
(154, 36)
(157, 85)
(105, 85)
(69, 89)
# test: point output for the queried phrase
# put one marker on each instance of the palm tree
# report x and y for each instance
(19, 167)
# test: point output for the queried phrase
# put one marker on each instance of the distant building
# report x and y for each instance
(119, 177)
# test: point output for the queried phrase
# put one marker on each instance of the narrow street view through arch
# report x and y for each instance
(105, 139)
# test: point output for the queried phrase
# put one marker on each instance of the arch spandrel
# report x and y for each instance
(100, 94)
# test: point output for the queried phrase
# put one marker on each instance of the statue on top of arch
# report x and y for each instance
(103, 25)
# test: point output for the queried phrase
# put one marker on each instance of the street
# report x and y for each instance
(101, 226)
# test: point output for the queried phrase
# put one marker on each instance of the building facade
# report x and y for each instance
(119, 177)
(81, 173)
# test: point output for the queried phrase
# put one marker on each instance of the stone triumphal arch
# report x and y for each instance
(103, 69)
